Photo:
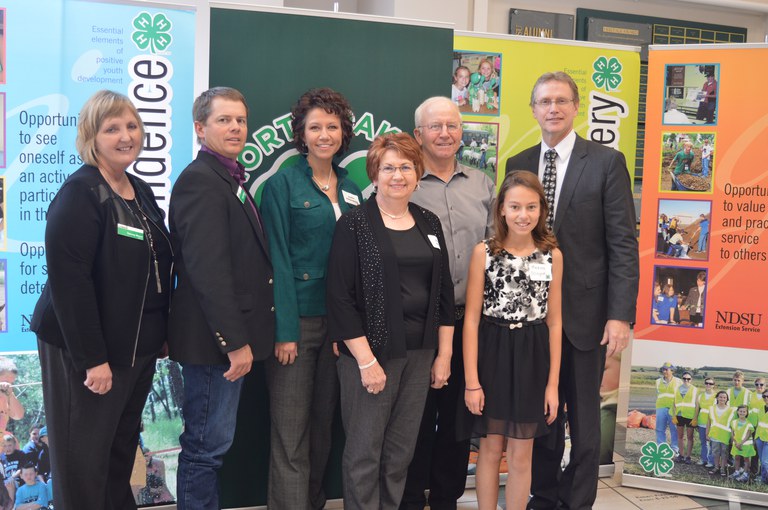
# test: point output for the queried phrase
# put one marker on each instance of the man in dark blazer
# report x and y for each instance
(594, 222)
(222, 312)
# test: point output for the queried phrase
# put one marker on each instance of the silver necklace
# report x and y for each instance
(393, 216)
(327, 181)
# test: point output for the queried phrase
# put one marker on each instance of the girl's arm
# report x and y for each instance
(555, 325)
(474, 397)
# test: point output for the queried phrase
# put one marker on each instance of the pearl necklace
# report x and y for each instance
(393, 216)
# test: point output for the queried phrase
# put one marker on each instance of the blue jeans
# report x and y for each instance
(703, 241)
(705, 167)
(210, 414)
(706, 452)
(664, 422)
(762, 452)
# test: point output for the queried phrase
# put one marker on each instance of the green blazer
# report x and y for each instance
(299, 220)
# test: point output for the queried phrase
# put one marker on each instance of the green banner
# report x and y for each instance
(385, 69)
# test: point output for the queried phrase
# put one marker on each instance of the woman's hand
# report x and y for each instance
(441, 371)
(475, 400)
(286, 352)
(373, 378)
(98, 379)
(551, 401)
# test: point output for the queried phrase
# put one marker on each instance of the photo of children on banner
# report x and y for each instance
(683, 229)
(478, 147)
(679, 296)
(687, 161)
(718, 428)
(690, 94)
(476, 82)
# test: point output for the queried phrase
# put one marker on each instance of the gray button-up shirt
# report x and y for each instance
(464, 206)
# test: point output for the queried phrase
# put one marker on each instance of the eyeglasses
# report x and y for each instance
(686, 378)
(560, 101)
(436, 127)
(765, 396)
(390, 170)
(709, 384)
(759, 385)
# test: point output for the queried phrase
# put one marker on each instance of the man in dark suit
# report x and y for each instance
(222, 313)
(594, 221)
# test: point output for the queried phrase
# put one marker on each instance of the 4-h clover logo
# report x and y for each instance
(151, 32)
(656, 458)
(607, 73)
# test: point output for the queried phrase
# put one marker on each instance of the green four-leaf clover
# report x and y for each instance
(657, 458)
(151, 32)
(607, 73)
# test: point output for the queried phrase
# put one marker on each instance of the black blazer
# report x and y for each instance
(595, 227)
(223, 297)
(92, 303)
(363, 287)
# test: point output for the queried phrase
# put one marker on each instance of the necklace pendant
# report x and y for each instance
(326, 187)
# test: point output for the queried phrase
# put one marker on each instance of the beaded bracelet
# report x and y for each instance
(368, 365)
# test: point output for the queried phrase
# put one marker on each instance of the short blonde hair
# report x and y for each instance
(104, 104)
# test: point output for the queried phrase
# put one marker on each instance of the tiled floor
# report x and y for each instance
(612, 496)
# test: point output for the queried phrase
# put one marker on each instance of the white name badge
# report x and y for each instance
(433, 239)
(350, 198)
(540, 272)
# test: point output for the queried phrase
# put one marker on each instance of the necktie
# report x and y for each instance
(550, 183)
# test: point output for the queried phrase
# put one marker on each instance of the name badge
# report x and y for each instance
(240, 194)
(350, 198)
(433, 239)
(540, 272)
(132, 232)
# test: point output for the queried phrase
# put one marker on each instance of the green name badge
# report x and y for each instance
(132, 232)
(241, 194)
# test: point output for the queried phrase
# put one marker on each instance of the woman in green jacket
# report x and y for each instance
(300, 206)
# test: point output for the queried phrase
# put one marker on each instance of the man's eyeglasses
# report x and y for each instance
(436, 127)
(546, 103)
(709, 383)
(686, 378)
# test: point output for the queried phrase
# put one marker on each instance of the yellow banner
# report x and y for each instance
(608, 78)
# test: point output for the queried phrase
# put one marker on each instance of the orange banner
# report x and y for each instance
(703, 251)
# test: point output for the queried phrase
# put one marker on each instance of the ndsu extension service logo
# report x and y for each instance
(607, 73)
(152, 32)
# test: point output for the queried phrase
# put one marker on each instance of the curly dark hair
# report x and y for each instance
(330, 101)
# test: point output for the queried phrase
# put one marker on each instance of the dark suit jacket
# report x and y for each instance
(595, 227)
(223, 298)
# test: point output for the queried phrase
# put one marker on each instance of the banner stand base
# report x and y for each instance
(734, 496)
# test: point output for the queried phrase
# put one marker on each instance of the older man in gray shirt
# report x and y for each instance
(461, 197)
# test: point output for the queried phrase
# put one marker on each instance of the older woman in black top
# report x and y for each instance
(101, 320)
(390, 305)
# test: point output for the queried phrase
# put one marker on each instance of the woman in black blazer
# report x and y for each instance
(390, 305)
(101, 319)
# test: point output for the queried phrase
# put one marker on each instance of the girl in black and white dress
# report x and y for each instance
(512, 338)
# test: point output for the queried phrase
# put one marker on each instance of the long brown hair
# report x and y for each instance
(543, 238)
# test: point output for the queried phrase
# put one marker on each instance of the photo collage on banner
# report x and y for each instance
(52, 59)
(699, 359)
(492, 78)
